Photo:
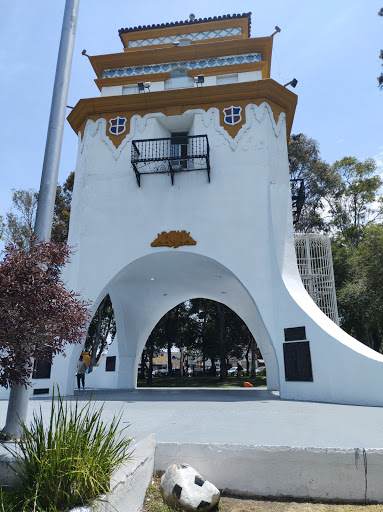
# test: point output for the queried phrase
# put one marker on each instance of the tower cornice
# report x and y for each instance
(178, 101)
(263, 45)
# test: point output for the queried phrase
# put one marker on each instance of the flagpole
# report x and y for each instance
(19, 395)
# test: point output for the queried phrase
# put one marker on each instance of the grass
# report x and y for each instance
(153, 499)
(203, 381)
(68, 462)
(154, 503)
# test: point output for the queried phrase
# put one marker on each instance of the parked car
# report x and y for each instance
(160, 371)
(261, 370)
(232, 371)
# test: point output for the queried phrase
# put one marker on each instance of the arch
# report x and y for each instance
(144, 290)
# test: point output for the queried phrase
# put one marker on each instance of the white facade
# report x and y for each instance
(156, 86)
(244, 256)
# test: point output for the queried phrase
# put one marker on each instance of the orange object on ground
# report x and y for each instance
(248, 385)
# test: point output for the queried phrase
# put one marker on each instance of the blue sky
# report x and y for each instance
(331, 47)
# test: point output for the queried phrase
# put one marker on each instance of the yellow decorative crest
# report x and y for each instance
(173, 239)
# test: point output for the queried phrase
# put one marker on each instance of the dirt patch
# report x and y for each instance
(154, 503)
(227, 504)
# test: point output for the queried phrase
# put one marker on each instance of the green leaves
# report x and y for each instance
(70, 461)
(359, 272)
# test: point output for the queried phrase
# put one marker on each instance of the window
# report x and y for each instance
(41, 391)
(41, 370)
(110, 365)
(179, 149)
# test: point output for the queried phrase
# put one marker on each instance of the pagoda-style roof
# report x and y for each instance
(200, 30)
(187, 22)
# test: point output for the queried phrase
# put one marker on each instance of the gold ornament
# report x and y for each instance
(173, 239)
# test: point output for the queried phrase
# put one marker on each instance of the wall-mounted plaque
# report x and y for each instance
(295, 333)
(297, 358)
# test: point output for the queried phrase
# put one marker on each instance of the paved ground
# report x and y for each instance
(235, 416)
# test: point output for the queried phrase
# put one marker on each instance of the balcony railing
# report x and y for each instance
(298, 197)
(183, 153)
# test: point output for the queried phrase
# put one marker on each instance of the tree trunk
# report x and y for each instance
(213, 370)
(143, 364)
(181, 361)
(170, 373)
(247, 361)
(149, 377)
(253, 358)
(104, 341)
(221, 344)
(97, 341)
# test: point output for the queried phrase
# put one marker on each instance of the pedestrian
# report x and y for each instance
(81, 369)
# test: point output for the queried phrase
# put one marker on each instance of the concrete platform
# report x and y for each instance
(252, 442)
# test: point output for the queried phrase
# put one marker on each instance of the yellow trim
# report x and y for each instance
(262, 45)
(176, 102)
(186, 29)
(161, 77)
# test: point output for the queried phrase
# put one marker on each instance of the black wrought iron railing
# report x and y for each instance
(170, 155)
(298, 197)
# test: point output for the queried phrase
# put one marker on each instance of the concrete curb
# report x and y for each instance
(328, 474)
(8, 478)
(129, 483)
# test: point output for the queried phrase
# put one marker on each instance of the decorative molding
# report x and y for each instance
(176, 102)
(193, 36)
(216, 48)
(173, 239)
(210, 118)
(165, 67)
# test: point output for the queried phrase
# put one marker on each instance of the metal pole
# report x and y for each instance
(19, 395)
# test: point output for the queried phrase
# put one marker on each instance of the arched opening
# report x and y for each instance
(201, 343)
(146, 289)
(101, 333)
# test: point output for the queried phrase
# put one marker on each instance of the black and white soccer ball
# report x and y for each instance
(183, 486)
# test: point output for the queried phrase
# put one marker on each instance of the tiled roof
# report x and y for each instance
(187, 22)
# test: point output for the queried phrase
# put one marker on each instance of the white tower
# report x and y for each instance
(182, 191)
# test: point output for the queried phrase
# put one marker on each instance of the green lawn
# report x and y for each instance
(202, 381)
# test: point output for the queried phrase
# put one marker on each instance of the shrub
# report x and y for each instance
(71, 461)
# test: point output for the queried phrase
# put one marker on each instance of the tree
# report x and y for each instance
(19, 221)
(18, 225)
(102, 330)
(380, 78)
(61, 215)
(360, 292)
(305, 163)
(355, 202)
(156, 342)
(343, 197)
(38, 314)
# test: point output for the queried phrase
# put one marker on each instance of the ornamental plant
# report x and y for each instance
(68, 461)
(39, 315)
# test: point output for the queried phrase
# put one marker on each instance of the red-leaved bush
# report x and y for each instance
(38, 314)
